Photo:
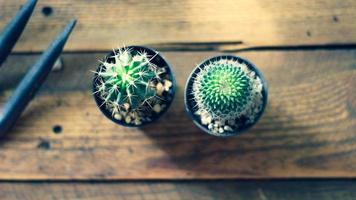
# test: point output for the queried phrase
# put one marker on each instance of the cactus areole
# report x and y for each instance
(133, 86)
(225, 95)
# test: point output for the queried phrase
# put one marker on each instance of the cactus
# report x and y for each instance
(228, 95)
(131, 86)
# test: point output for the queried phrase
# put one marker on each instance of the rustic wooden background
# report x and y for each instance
(304, 147)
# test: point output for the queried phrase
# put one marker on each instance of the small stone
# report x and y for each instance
(160, 88)
(117, 116)
(128, 119)
(221, 130)
(210, 126)
(138, 121)
(157, 108)
(205, 119)
(227, 128)
(167, 85)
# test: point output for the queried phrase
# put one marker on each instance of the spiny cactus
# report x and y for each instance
(131, 86)
(228, 95)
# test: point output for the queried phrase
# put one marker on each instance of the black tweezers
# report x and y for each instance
(31, 82)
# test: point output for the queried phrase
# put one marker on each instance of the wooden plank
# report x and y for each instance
(308, 129)
(228, 190)
(103, 25)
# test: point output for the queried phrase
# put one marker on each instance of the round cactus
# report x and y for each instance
(131, 87)
(227, 95)
(222, 89)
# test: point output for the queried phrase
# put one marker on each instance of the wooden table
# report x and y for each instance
(304, 147)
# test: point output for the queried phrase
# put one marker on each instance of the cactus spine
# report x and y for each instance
(131, 86)
(228, 95)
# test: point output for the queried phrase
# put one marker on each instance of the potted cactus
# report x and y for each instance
(225, 95)
(133, 86)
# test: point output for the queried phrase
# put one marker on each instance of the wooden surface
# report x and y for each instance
(64, 148)
(217, 190)
(103, 25)
(308, 129)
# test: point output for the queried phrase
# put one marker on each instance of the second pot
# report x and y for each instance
(225, 95)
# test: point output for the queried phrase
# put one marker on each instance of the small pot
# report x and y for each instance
(159, 62)
(191, 105)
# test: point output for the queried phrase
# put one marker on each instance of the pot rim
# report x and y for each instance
(252, 67)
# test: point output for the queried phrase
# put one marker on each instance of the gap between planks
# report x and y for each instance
(242, 24)
(252, 190)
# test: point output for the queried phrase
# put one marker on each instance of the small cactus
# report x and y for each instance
(131, 87)
(227, 95)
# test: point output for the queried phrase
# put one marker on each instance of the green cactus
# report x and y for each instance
(129, 85)
(225, 91)
(224, 88)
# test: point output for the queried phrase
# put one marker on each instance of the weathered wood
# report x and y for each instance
(308, 129)
(227, 190)
(103, 25)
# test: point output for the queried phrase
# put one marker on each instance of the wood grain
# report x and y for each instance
(308, 129)
(210, 24)
(227, 190)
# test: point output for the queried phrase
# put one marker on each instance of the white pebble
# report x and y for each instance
(205, 119)
(157, 108)
(128, 119)
(221, 130)
(167, 84)
(227, 128)
(210, 126)
(138, 121)
(117, 116)
(159, 88)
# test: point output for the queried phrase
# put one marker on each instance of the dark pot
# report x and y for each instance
(190, 102)
(159, 61)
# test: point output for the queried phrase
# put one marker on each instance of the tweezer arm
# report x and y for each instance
(30, 84)
(13, 30)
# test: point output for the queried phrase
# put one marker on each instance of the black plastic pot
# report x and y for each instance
(190, 103)
(159, 61)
